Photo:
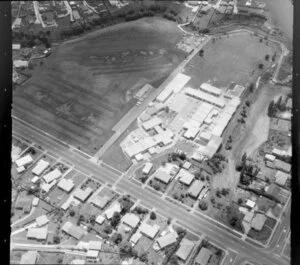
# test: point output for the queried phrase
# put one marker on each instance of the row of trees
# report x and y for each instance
(248, 170)
(215, 163)
(275, 107)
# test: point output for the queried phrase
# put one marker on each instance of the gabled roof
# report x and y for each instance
(149, 230)
(167, 239)
(29, 257)
(131, 220)
(185, 249)
(42, 220)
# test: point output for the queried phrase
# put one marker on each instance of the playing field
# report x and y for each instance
(230, 59)
(87, 85)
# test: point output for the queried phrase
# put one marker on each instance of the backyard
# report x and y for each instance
(86, 86)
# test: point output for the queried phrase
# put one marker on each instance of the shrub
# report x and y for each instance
(203, 205)
(152, 216)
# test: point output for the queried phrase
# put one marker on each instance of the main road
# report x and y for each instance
(195, 222)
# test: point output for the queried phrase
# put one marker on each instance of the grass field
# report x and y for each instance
(88, 84)
(230, 59)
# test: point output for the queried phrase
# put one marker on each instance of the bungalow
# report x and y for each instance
(66, 185)
(116, 208)
(92, 255)
(281, 178)
(39, 234)
(269, 157)
(147, 168)
(100, 219)
(283, 166)
(131, 220)
(185, 249)
(40, 167)
(82, 195)
(73, 230)
(185, 177)
(100, 202)
(250, 204)
(149, 230)
(135, 238)
(162, 176)
(24, 161)
(196, 188)
(95, 245)
(203, 256)
(258, 221)
(167, 240)
(29, 257)
(52, 175)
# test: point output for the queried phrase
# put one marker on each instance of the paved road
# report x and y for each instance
(195, 223)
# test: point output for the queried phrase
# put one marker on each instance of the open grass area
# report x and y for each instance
(88, 84)
(179, 192)
(230, 59)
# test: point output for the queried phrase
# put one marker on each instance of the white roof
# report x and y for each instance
(70, 200)
(139, 157)
(40, 167)
(270, 157)
(35, 201)
(135, 238)
(92, 253)
(52, 175)
(185, 177)
(66, 184)
(42, 220)
(162, 176)
(281, 178)
(149, 230)
(100, 219)
(211, 89)
(82, 195)
(250, 203)
(148, 166)
(35, 179)
(20, 169)
(116, 208)
(20, 63)
(95, 245)
(277, 152)
(178, 82)
(167, 239)
(151, 123)
(38, 233)
(186, 165)
(23, 161)
(191, 132)
(195, 189)
(16, 46)
(46, 187)
(131, 220)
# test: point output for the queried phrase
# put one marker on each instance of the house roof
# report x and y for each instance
(40, 167)
(100, 202)
(162, 176)
(186, 165)
(148, 166)
(92, 253)
(52, 175)
(281, 178)
(29, 257)
(135, 238)
(38, 233)
(203, 256)
(82, 195)
(283, 166)
(258, 221)
(116, 208)
(196, 187)
(149, 230)
(25, 160)
(250, 203)
(248, 216)
(131, 220)
(185, 177)
(100, 219)
(72, 230)
(186, 247)
(42, 220)
(95, 245)
(66, 184)
(167, 239)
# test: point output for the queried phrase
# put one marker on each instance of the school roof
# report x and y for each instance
(185, 249)
(148, 166)
(162, 176)
(29, 257)
(211, 89)
(283, 166)
(203, 256)
(219, 102)
(167, 240)
(72, 230)
(151, 123)
(40, 167)
(42, 220)
(100, 202)
(131, 220)
(258, 221)
(82, 195)
(185, 177)
(52, 175)
(100, 219)
(116, 208)
(135, 238)
(23, 161)
(195, 189)
(281, 178)
(38, 233)
(66, 184)
(95, 245)
(178, 82)
(149, 230)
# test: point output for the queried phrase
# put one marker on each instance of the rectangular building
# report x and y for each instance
(52, 175)
(185, 177)
(283, 166)
(185, 249)
(73, 230)
(203, 256)
(39, 234)
(24, 161)
(147, 168)
(162, 176)
(151, 123)
(100, 202)
(196, 188)
(149, 230)
(82, 195)
(29, 257)
(66, 185)
(131, 220)
(40, 167)
(208, 88)
(167, 240)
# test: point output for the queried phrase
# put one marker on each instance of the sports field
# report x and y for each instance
(233, 58)
(87, 85)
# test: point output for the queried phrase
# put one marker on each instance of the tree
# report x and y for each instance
(107, 229)
(56, 239)
(144, 257)
(115, 219)
(152, 216)
(116, 238)
(72, 212)
(251, 87)
(240, 201)
(244, 158)
(219, 252)
(267, 57)
(174, 260)
(125, 248)
(261, 66)
(169, 220)
(201, 53)
(182, 156)
(203, 205)
(247, 103)
(167, 109)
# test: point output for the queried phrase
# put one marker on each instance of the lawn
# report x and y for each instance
(91, 183)
(287, 250)
(109, 255)
(179, 192)
(263, 235)
(87, 85)
(77, 178)
(230, 59)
